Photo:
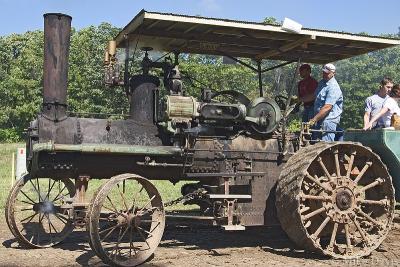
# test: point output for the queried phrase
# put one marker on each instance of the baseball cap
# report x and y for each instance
(329, 68)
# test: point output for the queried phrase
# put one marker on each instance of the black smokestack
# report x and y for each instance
(57, 30)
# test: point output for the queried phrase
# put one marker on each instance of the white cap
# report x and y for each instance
(329, 68)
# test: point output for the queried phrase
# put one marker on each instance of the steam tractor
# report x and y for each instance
(246, 169)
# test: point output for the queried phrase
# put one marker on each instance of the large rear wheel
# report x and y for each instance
(337, 199)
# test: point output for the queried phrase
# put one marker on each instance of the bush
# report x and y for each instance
(9, 136)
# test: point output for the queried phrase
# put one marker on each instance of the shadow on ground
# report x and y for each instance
(192, 236)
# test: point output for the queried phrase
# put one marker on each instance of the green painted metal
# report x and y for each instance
(109, 149)
(384, 142)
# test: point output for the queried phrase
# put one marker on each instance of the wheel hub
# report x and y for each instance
(344, 199)
(45, 207)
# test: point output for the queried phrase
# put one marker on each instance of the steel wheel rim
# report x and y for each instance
(34, 211)
(352, 211)
(121, 233)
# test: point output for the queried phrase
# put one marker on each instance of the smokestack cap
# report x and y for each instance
(57, 14)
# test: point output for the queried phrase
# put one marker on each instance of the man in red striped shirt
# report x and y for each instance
(306, 91)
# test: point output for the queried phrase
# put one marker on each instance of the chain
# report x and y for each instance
(199, 193)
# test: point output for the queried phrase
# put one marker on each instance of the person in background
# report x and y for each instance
(389, 108)
(328, 104)
(306, 91)
(374, 103)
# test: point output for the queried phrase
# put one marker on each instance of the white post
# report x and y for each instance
(20, 163)
(12, 169)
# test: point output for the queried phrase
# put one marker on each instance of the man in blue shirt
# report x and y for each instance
(328, 104)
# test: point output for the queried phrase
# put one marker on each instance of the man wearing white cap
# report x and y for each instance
(328, 104)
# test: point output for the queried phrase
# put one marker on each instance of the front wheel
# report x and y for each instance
(126, 220)
(35, 211)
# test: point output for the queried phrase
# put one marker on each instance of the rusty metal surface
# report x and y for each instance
(142, 89)
(336, 198)
(97, 131)
(112, 208)
(109, 149)
(57, 30)
(229, 158)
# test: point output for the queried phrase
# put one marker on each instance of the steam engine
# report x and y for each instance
(167, 135)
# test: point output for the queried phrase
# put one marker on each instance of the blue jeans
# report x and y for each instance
(325, 126)
(308, 113)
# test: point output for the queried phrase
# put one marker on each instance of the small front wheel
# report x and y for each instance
(35, 211)
(126, 220)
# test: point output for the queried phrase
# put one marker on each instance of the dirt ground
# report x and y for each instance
(189, 244)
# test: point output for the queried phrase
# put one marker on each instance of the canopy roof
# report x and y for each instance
(200, 35)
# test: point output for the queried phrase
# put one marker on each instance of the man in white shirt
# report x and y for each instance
(389, 108)
(374, 103)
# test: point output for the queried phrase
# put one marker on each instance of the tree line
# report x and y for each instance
(21, 78)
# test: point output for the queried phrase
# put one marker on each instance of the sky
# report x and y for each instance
(355, 16)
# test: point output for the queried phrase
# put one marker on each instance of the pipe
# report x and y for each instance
(57, 30)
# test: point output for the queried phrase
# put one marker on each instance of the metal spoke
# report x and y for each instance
(61, 218)
(109, 228)
(123, 234)
(321, 163)
(364, 169)
(108, 234)
(122, 196)
(38, 187)
(115, 212)
(25, 209)
(359, 229)
(305, 208)
(65, 186)
(147, 232)
(333, 236)
(369, 218)
(147, 211)
(116, 246)
(315, 212)
(378, 181)
(321, 227)
(112, 204)
(33, 202)
(336, 153)
(317, 182)
(351, 162)
(26, 202)
(148, 202)
(30, 217)
(346, 231)
(40, 198)
(143, 237)
(304, 197)
(50, 188)
(130, 242)
(382, 202)
(135, 196)
(61, 197)
(55, 230)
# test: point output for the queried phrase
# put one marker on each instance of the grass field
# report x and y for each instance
(6, 151)
(167, 190)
